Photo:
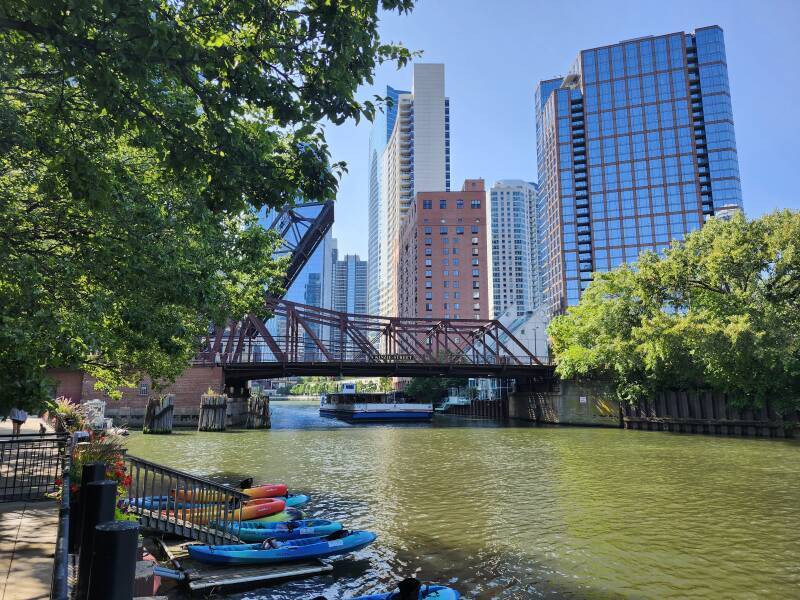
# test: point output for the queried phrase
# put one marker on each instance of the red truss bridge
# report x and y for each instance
(297, 339)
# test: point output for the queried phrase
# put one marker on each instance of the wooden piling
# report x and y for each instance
(258, 413)
(213, 412)
(158, 417)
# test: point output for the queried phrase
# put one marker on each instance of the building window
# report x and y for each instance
(474, 262)
(475, 252)
(476, 284)
(428, 307)
(445, 283)
(442, 204)
(428, 295)
(460, 230)
(455, 283)
(144, 389)
(475, 204)
(476, 306)
(476, 295)
(455, 306)
(455, 250)
(428, 251)
(474, 229)
(427, 272)
(428, 262)
(442, 230)
(459, 204)
(428, 230)
(428, 285)
(428, 241)
(427, 204)
(476, 272)
(474, 240)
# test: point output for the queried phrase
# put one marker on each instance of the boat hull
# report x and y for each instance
(257, 531)
(383, 415)
(290, 551)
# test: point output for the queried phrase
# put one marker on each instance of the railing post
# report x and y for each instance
(99, 503)
(113, 564)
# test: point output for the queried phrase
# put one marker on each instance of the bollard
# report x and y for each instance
(93, 471)
(113, 566)
(99, 503)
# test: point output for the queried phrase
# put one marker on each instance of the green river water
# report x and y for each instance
(524, 512)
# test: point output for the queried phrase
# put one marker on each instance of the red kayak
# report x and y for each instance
(263, 507)
(268, 490)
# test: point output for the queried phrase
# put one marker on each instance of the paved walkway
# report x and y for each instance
(28, 532)
(29, 426)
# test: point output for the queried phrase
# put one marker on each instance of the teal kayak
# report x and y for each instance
(257, 531)
(428, 592)
(340, 542)
(293, 500)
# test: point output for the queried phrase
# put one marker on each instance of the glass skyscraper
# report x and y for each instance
(636, 148)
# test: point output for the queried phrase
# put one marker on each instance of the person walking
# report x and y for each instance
(18, 417)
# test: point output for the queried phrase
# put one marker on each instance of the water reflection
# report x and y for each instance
(522, 512)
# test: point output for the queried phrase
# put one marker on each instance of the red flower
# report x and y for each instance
(59, 481)
(127, 481)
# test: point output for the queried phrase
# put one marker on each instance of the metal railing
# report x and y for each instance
(60, 586)
(30, 464)
(172, 501)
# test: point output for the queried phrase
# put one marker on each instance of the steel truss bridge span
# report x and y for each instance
(297, 339)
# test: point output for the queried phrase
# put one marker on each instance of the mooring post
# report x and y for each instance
(99, 507)
(113, 566)
(93, 471)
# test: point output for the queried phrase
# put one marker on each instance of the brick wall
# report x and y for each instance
(130, 409)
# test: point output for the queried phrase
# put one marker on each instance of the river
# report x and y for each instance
(524, 512)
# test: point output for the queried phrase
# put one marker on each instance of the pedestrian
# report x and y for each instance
(18, 417)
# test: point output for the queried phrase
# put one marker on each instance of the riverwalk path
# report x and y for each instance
(28, 531)
(27, 545)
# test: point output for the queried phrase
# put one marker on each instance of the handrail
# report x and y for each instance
(60, 586)
(173, 501)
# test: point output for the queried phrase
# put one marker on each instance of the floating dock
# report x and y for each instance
(203, 578)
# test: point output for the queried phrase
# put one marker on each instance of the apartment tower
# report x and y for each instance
(515, 261)
(636, 149)
(444, 267)
(415, 157)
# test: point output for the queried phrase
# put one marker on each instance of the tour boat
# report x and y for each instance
(341, 542)
(357, 406)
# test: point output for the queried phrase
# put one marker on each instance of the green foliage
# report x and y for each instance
(432, 389)
(720, 310)
(139, 139)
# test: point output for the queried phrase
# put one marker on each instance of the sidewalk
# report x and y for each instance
(29, 426)
(28, 533)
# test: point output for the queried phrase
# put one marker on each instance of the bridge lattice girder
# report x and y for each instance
(302, 339)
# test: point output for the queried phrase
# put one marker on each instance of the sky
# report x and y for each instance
(495, 53)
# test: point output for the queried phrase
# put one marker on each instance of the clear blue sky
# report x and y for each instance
(495, 52)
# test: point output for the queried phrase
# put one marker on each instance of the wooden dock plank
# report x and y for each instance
(202, 579)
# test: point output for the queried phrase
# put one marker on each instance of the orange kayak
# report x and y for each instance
(252, 510)
(268, 490)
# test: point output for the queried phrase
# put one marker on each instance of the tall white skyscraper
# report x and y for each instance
(414, 156)
(515, 263)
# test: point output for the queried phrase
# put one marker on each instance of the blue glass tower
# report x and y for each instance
(636, 148)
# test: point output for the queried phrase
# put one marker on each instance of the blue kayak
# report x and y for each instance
(429, 592)
(158, 503)
(293, 500)
(340, 542)
(256, 531)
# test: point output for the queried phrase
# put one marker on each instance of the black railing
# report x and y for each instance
(182, 504)
(60, 586)
(30, 465)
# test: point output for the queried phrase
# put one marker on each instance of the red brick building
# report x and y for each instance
(444, 261)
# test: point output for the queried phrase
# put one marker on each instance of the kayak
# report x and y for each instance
(256, 531)
(267, 490)
(430, 592)
(203, 513)
(289, 514)
(168, 503)
(340, 542)
(294, 499)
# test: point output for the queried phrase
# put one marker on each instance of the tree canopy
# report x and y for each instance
(720, 310)
(139, 140)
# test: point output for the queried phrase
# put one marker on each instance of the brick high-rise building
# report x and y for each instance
(444, 258)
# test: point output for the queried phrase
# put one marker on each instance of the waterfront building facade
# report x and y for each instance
(636, 148)
(414, 157)
(444, 252)
(348, 288)
(515, 259)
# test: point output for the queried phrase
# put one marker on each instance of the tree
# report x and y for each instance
(720, 310)
(432, 389)
(139, 140)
